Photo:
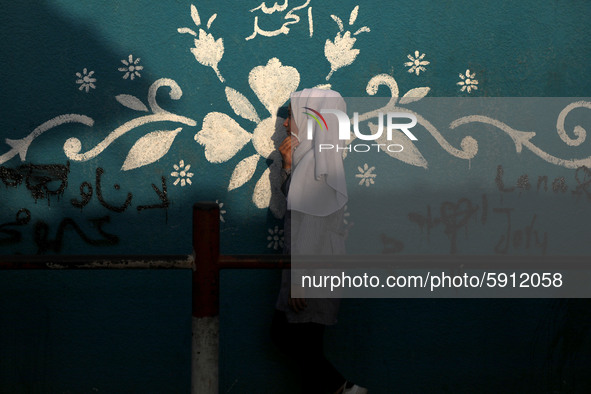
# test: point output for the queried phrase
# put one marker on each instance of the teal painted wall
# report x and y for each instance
(95, 149)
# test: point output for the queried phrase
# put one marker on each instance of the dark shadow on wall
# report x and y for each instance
(62, 64)
(43, 51)
(79, 331)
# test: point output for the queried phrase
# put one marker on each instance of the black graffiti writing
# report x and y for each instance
(499, 181)
(41, 232)
(45, 180)
(518, 239)
(23, 216)
(99, 194)
(10, 177)
(162, 195)
(86, 193)
(42, 180)
(453, 216)
(583, 182)
(558, 185)
(424, 221)
(44, 243)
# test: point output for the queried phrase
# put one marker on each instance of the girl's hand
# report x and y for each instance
(286, 149)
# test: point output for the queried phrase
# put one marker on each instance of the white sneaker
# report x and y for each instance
(355, 390)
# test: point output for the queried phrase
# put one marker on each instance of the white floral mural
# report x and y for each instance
(223, 137)
(340, 52)
(208, 51)
(132, 68)
(182, 174)
(275, 238)
(417, 63)
(222, 210)
(86, 80)
(468, 81)
(366, 175)
(149, 148)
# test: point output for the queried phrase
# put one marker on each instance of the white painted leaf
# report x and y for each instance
(149, 148)
(243, 172)
(132, 102)
(410, 154)
(222, 137)
(186, 30)
(414, 95)
(241, 105)
(195, 15)
(338, 21)
(262, 191)
(362, 30)
(262, 139)
(353, 16)
(210, 21)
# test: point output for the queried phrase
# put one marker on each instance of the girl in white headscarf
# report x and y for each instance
(314, 183)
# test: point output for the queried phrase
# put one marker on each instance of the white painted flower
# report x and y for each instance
(346, 215)
(275, 238)
(416, 63)
(366, 175)
(131, 68)
(182, 173)
(468, 82)
(208, 51)
(223, 137)
(340, 52)
(222, 211)
(85, 80)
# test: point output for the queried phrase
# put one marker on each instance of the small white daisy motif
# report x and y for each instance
(182, 173)
(346, 215)
(85, 80)
(222, 211)
(131, 68)
(366, 175)
(416, 63)
(275, 238)
(468, 82)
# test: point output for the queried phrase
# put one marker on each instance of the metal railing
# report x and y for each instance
(206, 263)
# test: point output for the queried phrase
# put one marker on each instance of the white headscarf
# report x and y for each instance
(318, 184)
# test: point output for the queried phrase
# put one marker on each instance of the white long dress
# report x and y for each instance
(317, 235)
